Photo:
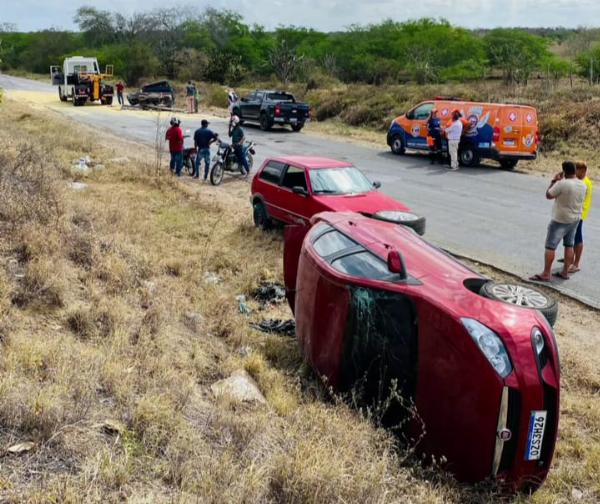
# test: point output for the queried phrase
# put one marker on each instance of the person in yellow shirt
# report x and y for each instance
(581, 172)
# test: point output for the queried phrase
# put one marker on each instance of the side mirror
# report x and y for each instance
(376, 184)
(396, 264)
(299, 190)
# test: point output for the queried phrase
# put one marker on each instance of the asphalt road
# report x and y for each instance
(486, 214)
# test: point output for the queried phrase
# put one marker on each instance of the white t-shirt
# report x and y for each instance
(569, 195)
(454, 131)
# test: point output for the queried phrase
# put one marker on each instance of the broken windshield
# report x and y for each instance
(348, 180)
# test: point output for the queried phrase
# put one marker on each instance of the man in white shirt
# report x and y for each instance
(453, 134)
(568, 193)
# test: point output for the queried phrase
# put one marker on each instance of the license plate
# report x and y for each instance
(293, 120)
(509, 143)
(535, 435)
(294, 111)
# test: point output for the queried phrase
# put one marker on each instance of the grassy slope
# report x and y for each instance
(106, 315)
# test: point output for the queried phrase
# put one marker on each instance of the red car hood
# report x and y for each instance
(369, 203)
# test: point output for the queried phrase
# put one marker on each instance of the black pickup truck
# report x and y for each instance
(273, 107)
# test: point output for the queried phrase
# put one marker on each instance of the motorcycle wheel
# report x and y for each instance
(250, 162)
(189, 162)
(216, 174)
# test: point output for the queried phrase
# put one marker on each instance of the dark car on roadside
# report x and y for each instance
(269, 108)
(292, 189)
(155, 94)
(474, 364)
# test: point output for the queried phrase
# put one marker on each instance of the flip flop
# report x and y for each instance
(574, 270)
(539, 278)
(559, 274)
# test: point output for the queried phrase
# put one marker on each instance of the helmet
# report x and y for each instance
(175, 121)
(235, 120)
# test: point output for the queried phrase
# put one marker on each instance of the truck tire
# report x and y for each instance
(216, 174)
(106, 101)
(78, 102)
(297, 127)
(467, 156)
(508, 164)
(397, 145)
(260, 216)
(61, 96)
(265, 122)
(523, 296)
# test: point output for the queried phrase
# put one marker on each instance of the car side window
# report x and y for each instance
(332, 242)
(294, 177)
(365, 265)
(272, 172)
(422, 111)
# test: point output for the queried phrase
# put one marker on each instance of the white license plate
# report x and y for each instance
(509, 143)
(535, 435)
(293, 120)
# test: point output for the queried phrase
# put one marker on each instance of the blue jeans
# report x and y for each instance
(176, 163)
(203, 155)
(241, 156)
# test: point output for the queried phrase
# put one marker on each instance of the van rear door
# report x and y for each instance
(518, 130)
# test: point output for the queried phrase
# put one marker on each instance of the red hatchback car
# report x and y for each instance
(377, 305)
(292, 189)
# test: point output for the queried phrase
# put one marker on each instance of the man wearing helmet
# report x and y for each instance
(174, 135)
(237, 142)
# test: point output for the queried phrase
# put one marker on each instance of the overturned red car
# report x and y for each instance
(376, 304)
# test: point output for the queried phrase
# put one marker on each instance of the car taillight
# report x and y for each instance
(496, 134)
(277, 110)
(537, 137)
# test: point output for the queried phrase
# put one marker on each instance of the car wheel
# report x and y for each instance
(524, 296)
(216, 174)
(61, 96)
(397, 145)
(407, 219)
(265, 123)
(467, 156)
(508, 164)
(261, 219)
(297, 127)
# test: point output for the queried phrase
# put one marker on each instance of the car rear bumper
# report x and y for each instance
(516, 156)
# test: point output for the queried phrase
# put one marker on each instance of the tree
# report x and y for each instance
(97, 26)
(285, 62)
(515, 52)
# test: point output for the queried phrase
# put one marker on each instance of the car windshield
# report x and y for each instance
(348, 180)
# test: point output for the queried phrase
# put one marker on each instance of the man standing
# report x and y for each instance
(203, 138)
(453, 134)
(581, 173)
(434, 130)
(175, 137)
(568, 193)
(189, 97)
(233, 100)
(237, 139)
(120, 87)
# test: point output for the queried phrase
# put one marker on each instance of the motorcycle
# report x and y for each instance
(225, 160)
(189, 157)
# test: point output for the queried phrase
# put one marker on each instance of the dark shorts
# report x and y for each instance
(558, 231)
(579, 233)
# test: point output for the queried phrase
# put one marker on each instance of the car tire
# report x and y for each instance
(216, 174)
(61, 96)
(260, 216)
(297, 127)
(508, 164)
(524, 296)
(467, 156)
(397, 145)
(265, 123)
(407, 219)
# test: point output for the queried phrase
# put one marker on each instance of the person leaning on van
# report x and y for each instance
(453, 134)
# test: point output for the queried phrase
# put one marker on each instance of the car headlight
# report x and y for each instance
(490, 345)
(539, 346)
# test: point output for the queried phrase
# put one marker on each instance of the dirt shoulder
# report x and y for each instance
(119, 312)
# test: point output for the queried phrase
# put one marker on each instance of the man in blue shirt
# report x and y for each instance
(434, 130)
(203, 138)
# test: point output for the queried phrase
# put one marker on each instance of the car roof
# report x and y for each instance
(312, 162)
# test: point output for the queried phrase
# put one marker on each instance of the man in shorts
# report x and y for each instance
(568, 193)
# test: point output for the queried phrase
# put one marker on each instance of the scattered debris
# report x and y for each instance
(240, 387)
(77, 186)
(243, 306)
(212, 278)
(81, 165)
(119, 160)
(193, 321)
(99, 167)
(269, 293)
(111, 427)
(245, 351)
(21, 447)
(15, 269)
(286, 327)
(576, 494)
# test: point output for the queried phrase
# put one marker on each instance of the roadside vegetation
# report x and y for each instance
(118, 312)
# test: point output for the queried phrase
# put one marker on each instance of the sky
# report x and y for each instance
(327, 15)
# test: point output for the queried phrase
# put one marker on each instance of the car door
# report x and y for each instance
(254, 105)
(511, 126)
(269, 190)
(246, 105)
(299, 207)
(416, 135)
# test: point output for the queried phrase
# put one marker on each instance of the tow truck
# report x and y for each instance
(81, 81)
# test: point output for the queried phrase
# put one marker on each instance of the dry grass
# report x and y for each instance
(107, 314)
